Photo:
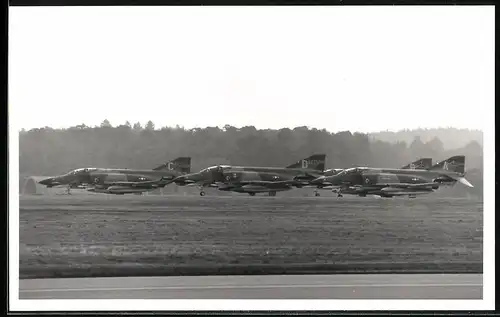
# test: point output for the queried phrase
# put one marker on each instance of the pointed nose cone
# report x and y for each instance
(187, 179)
(180, 180)
(318, 181)
(46, 181)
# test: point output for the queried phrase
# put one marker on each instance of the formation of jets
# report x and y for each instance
(419, 177)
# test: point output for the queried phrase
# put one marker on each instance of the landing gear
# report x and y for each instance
(272, 193)
(69, 190)
(316, 193)
(337, 191)
(412, 196)
(251, 194)
(202, 193)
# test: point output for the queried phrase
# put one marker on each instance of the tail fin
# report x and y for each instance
(421, 164)
(316, 162)
(180, 164)
(453, 164)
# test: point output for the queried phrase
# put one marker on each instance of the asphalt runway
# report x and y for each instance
(358, 286)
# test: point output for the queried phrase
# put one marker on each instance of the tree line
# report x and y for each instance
(47, 151)
(452, 138)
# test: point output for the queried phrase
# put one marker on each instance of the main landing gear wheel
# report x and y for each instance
(340, 195)
(202, 193)
(316, 193)
(251, 194)
(272, 193)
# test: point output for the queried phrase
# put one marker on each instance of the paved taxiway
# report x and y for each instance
(357, 286)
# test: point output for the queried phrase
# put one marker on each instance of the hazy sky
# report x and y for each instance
(339, 68)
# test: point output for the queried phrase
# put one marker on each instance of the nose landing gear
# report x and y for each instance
(202, 192)
(337, 191)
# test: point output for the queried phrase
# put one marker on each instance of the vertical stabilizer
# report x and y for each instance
(315, 162)
(180, 164)
(453, 164)
(420, 164)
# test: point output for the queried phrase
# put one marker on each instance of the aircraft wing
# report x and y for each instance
(265, 183)
(133, 184)
(406, 185)
(202, 183)
(138, 184)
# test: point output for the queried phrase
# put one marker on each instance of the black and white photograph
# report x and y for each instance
(277, 154)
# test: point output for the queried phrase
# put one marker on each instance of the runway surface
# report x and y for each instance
(85, 236)
(357, 286)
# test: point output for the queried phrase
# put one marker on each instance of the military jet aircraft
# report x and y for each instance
(121, 181)
(322, 181)
(252, 180)
(386, 182)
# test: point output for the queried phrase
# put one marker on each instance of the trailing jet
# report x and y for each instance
(252, 180)
(322, 181)
(121, 181)
(386, 182)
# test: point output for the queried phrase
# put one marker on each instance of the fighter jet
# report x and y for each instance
(252, 180)
(121, 181)
(322, 181)
(386, 182)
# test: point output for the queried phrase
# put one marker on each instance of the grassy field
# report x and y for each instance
(89, 234)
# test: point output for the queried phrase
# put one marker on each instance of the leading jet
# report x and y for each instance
(322, 181)
(252, 180)
(121, 181)
(387, 182)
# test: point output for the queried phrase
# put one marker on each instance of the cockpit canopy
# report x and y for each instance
(80, 171)
(213, 168)
(352, 170)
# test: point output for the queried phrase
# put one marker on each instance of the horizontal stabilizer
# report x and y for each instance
(465, 182)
